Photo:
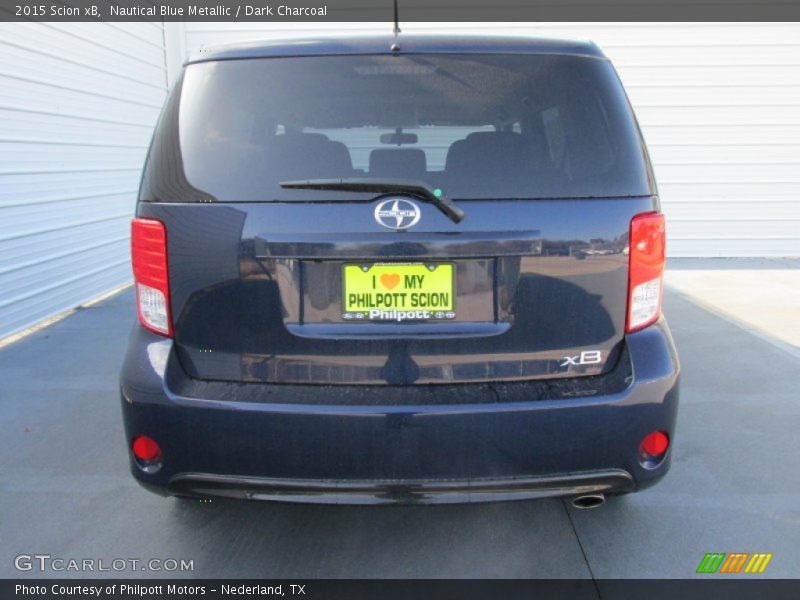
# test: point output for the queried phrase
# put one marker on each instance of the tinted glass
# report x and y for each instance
(478, 126)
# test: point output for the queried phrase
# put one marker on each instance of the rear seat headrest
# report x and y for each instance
(308, 156)
(398, 162)
(494, 135)
(483, 150)
(489, 162)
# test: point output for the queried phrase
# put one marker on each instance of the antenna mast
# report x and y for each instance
(396, 21)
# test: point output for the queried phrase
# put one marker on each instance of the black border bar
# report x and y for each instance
(394, 589)
(409, 10)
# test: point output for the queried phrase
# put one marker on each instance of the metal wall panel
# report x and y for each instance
(719, 105)
(78, 103)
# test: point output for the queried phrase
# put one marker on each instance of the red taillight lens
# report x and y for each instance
(655, 444)
(146, 449)
(646, 269)
(151, 275)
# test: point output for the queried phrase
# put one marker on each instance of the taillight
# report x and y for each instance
(151, 276)
(147, 454)
(646, 269)
(655, 444)
(653, 449)
(146, 448)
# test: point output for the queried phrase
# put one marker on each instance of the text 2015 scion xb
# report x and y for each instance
(371, 271)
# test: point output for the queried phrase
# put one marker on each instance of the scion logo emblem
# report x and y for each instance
(397, 213)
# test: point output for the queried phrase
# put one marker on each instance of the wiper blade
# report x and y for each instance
(420, 189)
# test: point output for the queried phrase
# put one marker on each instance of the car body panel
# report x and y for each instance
(382, 44)
(528, 387)
(246, 309)
(503, 433)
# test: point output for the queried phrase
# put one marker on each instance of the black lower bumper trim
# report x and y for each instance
(401, 491)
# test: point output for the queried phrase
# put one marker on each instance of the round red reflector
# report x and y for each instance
(145, 448)
(655, 443)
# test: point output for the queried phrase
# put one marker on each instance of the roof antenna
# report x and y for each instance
(395, 47)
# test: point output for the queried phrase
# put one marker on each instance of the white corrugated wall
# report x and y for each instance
(78, 103)
(719, 105)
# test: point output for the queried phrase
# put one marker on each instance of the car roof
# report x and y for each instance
(381, 44)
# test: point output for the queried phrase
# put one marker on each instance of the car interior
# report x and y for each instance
(478, 129)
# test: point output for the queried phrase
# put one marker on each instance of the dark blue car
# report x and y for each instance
(372, 271)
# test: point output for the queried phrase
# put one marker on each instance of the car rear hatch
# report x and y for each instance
(312, 204)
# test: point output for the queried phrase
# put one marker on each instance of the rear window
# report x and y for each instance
(477, 126)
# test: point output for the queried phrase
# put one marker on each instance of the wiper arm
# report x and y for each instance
(420, 189)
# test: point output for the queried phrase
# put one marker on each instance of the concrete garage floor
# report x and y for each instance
(734, 484)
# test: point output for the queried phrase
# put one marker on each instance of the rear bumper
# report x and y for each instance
(336, 452)
(401, 491)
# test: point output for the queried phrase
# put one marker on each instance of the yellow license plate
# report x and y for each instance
(398, 292)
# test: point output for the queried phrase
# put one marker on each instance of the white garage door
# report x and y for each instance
(77, 106)
(719, 105)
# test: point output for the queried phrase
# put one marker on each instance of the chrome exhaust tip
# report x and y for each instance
(588, 501)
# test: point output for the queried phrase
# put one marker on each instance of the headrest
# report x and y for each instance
(309, 156)
(397, 162)
(481, 150)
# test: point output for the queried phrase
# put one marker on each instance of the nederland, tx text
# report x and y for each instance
(140, 590)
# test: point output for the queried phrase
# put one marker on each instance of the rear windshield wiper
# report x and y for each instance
(420, 189)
